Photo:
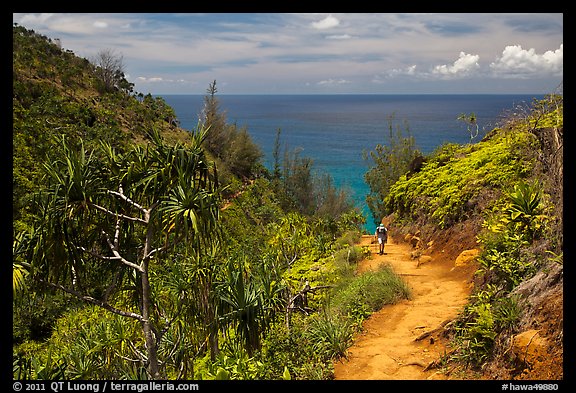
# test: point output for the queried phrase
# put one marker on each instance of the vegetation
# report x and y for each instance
(509, 181)
(142, 250)
(229, 145)
(390, 161)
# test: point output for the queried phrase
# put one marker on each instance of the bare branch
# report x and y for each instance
(126, 199)
(143, 358)
(117, 233)
(154, 251)
(95, 254)
(118, 256)
(118, 215)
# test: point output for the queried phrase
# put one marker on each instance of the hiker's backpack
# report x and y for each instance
(382, 230)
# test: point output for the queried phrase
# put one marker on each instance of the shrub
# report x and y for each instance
(364, 294)
(329, 335)
(348, 238)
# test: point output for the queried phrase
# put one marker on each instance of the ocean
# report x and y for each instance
(336, 130)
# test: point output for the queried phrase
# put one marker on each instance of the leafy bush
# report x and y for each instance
(525, 210)
(507, 312)
(349, 256)
(477, 330)
(348, 238)
(391, 161)
(476, 336)
(86, 344)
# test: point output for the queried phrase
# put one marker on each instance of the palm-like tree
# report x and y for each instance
(243, 307)
(106, 213)
(20, 267)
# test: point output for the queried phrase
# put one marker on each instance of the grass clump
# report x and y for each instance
(360, 296)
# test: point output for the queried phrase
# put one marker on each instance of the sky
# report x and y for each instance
(320, 53)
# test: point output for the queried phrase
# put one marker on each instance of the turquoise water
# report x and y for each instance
(335, 130)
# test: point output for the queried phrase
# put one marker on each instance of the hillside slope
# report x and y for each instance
(57, 94)
(501, 199)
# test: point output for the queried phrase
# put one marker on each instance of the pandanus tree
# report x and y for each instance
(107, 219)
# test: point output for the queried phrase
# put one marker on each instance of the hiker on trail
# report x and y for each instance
(381, 235)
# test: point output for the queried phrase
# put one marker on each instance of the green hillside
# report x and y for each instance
(142, 250)
(56, 93)
(145, 251)
(502, 196)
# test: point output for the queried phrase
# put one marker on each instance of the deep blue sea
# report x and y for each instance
(335, 130)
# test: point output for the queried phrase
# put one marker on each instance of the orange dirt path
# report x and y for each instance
(386, 348)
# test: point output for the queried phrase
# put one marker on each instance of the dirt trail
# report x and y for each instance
(387, 349)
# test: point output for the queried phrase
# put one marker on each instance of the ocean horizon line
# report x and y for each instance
(353, 94)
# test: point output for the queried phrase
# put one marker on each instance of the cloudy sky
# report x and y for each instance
(306, 53)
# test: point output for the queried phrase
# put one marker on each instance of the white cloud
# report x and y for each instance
(35, 19)
(463, 66)
(332, 82)
(411, 70)
(255, 51)
(152, 79)
(339, 37)
(518, 62)
(326, 23)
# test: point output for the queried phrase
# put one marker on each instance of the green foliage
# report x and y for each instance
(291, 237)
(525, 209)
(330, 336)
(25, 367)
(230, 365)
(348, 239)
(360, 296)
(512, 224)
(286, 374)
(86, 344)
(510, 228)
(346, 259)
(221, 274)
(390, 162)
(298, 183)
(292, 350)
(504, 264)
(548, 112)
(507, 312)
(122, 208)
(55, 95)
(35, 313)
(103, 202)
(453, 177)
(477, 332)
(507, 266)
(525, 201)
(301, 189)
(472, 124)
(243, 306)
(476, 337)
(229, 144)
(20, 267)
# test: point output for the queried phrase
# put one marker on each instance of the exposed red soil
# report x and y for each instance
(388, 348)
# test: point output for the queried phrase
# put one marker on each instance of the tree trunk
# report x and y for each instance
(151, 345)
(149, 336)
